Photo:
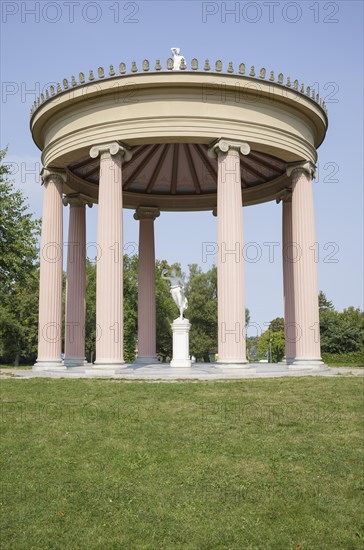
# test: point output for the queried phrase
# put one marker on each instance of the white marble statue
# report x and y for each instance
(177, 290)
(177, 58)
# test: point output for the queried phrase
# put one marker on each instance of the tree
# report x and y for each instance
(341, 332)
(166, 310)
(277, 325)
(130, 307)
(271, 344)
(202, 311)
(201, 291)
(247, 316)
(90, 324)
(324, 303)
(252, 347)
(19, 320)
(19, 233)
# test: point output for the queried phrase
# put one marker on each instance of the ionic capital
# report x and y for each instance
(285, 195)
(223, 146)
(77, 199)
(302, 167)
(57, 175)
(112, 149)
(214, 211)
(146, 213)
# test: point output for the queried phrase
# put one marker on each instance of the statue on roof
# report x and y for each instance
(177, 58)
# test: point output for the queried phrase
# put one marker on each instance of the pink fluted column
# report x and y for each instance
(50, 284)
(109, 268)
(230, 266)
(306, 310)
(76, 282)
(288, 253)
(147, 322)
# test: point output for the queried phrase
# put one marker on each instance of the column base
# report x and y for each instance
(74, 362)
(104, 369)
(304, 364)
(152, 360)
(180, 364)
(103, 365)
(48, 365)
(233, 364)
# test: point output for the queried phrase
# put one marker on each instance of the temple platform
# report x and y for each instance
(198, 371)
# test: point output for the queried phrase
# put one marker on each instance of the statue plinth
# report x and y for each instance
(181, 343)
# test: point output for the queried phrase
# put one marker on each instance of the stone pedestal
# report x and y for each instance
(181, 343)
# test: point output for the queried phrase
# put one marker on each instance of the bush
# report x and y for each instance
(352, 359)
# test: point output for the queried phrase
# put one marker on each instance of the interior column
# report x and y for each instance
(288, 256)
(76, 282)
(147, 322)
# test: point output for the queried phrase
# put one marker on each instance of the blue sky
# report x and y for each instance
(315, 42)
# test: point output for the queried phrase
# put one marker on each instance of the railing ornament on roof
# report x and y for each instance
(48, 93)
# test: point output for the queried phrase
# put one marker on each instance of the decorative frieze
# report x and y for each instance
(194, 66)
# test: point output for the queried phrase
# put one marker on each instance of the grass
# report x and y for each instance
(253, 464)
(20, 367)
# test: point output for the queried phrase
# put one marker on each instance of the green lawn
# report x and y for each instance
(253, 464)
(22, 367)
